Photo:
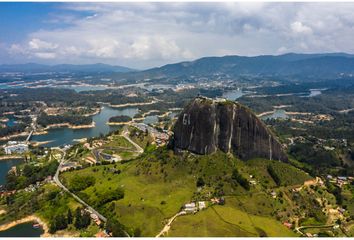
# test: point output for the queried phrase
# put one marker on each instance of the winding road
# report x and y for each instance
(91, 209)
(125, 134)
(57, 181)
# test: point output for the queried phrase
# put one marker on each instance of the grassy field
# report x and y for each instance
(141, 207)
(227, 221)
(120, 146)
(159, 183)
(118, 141)
(289, 175)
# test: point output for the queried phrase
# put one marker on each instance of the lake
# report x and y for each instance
(81, 88)
(151, 119)
(314, 92)
(11, 121)
(279, 113)
(22, 230)
(5, 166)
(62, 136)
(233, 95)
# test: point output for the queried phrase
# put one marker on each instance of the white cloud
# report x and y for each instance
(148, 34)
(45, 55)
(298, 27)
(38, 44)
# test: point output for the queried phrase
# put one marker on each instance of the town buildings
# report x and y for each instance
(15, 147)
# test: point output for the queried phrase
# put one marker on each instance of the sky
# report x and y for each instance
(144, 35)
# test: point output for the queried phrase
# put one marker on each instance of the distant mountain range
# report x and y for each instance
(326, 65)
(35, 68)
(310, 65)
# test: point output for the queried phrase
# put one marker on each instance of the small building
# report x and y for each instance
(201, 205)
(342, 178)
(287, 224)
(253, 182)
(190, 207)
(273, 194)
(220, 201)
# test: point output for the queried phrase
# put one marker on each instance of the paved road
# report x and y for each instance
(57, 181)
(125, 134)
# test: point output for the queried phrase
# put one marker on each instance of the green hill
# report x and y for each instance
(159, 183)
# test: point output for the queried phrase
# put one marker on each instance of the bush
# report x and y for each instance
(79, 183)
(236, 176)
(273, 174)
(200, 182)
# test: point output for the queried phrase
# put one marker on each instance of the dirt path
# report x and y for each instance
(167, 227)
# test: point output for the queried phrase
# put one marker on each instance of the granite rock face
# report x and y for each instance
(207, 125)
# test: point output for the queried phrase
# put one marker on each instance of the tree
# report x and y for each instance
(70, 217)
(78, 220)
(240, 179)
(58, 223)
(82, 219)
(274, 175)
(115, 227)
(200, 182)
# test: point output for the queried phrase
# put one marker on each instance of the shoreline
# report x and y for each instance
(30, 218)
(36, 144)
(119, 123)
(13, 157)
(44, 131)
(287, 113)
(68, 125)
(96, 111)
(9, 137)
(131, 104)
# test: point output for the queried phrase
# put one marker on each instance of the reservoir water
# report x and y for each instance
(233, 95)
(62, 136)
(81, 88)
(22, 230)
(279, 113)
(315, 92)
(151, 119)
(5, 166)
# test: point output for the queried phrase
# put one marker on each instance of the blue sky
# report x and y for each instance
(142, 35)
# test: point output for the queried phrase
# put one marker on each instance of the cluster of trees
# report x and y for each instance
(30, 174)
(200, 182)
(81, 220)
(17, 128)
(336, 191)
(120, 118)
(236, 176)
(273, 174)
(45, 120)
(79, 183)
(116, 228)
(315, 156)
(108, 195)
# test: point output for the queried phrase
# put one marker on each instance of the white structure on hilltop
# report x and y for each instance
(15, 147)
